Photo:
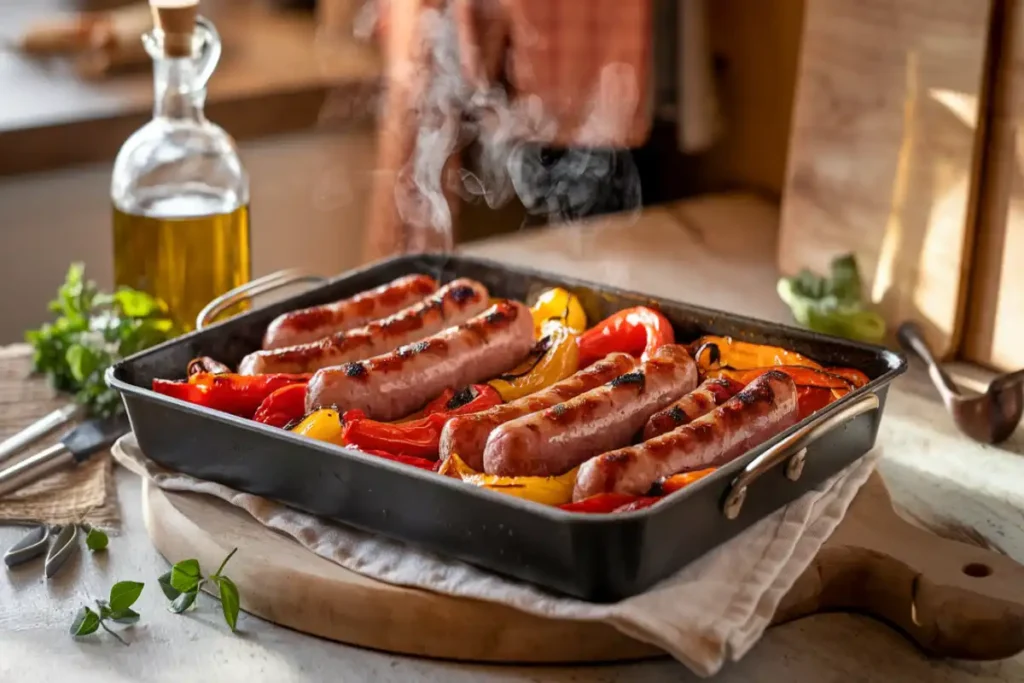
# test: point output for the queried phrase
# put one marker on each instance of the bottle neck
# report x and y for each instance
(178, 96)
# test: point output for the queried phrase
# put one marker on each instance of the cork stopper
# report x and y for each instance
(176, 19)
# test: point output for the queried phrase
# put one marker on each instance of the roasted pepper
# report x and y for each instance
(236, 394)
(555, 357)
(421, 463)
(282, 407)
(680, 481)
(558, 305)
(712, 353)
(420, 437)
(601, 503)
(326, 425)
(812, 399)
(636, 331)
(322, 425)
(544, 490)
(639, 504)
(855, 377)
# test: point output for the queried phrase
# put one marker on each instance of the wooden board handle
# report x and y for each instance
(953, 599)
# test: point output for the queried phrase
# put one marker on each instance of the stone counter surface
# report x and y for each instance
(969, 490)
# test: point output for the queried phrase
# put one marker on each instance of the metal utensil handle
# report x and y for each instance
(911, 338)
(267, 283)
(794, 450)
(38, 429)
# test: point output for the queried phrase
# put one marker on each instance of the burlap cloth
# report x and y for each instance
(82, 493)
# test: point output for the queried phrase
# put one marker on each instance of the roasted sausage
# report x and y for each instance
(701, 401)
(764, 408)
(453, 304)
(467, 435)
(553, 441)
(316, 322)
(395, 384)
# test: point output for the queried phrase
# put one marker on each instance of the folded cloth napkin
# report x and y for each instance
(714, 609)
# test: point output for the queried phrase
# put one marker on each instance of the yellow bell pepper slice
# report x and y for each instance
(712, 353)
(544, 490)
(558, 305)
(555, 357)
(322, 425)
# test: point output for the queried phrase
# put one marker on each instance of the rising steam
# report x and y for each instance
(511, 135)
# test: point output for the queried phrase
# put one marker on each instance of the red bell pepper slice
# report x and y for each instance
(638, 504)
(812, 399)
(855, 377)
(284, 405)
(228, 392)
(601, 503)
(420, 437)
(638, 331)
(421, 463)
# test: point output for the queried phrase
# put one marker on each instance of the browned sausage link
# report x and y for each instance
(395, 384)
(701, 401)
(316, 322)
(467, 435)
(764, 408)
(555, 440)
(453, 304)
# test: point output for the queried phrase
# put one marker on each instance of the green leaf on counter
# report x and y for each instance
(125, 616)
(86, 622)
(184, 601)
(92, 331)
(96, 540)
(832, 305)
(117, 609)
(165, 585)
(229, 600)
(124, 594)
(181, 585)
(185, 575)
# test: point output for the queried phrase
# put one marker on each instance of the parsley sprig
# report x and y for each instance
(117, 608)
(92, 331)
(182, 584)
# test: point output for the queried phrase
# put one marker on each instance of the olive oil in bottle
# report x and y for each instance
(180, 195)
(182, 252)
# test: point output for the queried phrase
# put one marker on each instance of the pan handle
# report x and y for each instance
(267, 283)
(798, 441)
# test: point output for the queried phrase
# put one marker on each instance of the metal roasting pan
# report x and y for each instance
(599, 558)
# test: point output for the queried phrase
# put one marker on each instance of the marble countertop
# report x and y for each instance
(966, 490)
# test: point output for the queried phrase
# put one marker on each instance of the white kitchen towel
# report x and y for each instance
(714, 609)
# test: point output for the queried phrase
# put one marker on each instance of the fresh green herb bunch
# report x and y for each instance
(833, 304)
(94, 330)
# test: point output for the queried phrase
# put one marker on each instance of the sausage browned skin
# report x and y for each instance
(553, 441)
(467, 435)
(317, 322)
(701, 401)
(397, 383)
(453, 304)
(764, 408)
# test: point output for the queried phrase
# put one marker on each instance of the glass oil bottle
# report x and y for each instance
(179, 192)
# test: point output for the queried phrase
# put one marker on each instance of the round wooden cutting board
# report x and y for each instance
(952, 599)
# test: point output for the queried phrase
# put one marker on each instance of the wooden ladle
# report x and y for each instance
(990, 417)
